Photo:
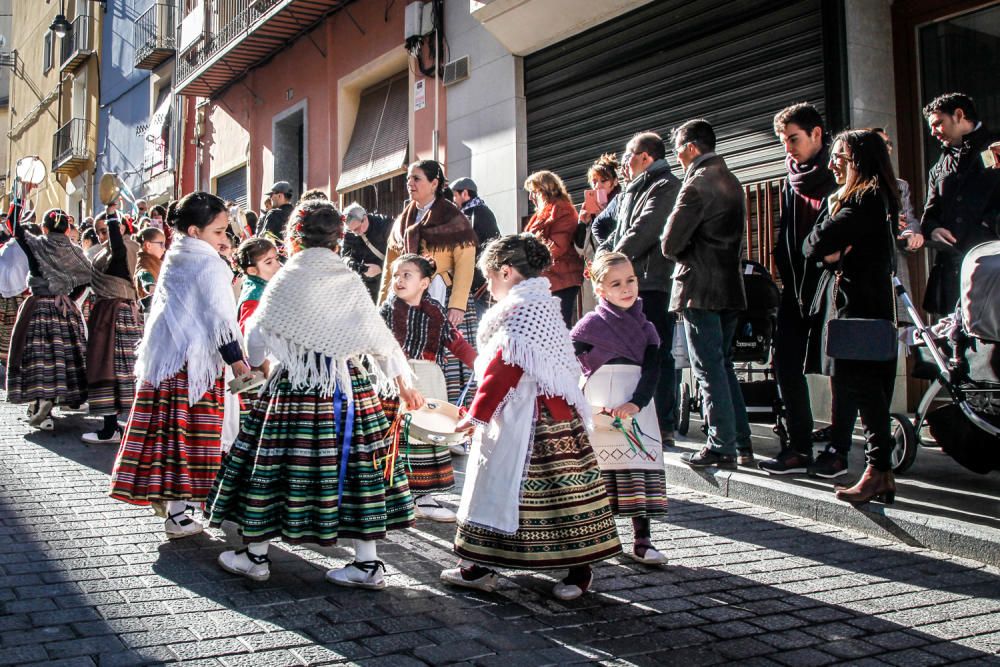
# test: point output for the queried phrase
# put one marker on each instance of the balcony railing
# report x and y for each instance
(154, 35)
(70, 146)
(78, 44)
(237, 35)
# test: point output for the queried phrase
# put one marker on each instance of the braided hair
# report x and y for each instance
(315, 223)
(523, 252)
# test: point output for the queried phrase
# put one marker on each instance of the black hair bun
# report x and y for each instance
(536, 253)
(317, 224)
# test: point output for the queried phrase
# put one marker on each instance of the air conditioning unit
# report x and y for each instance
(456, 70)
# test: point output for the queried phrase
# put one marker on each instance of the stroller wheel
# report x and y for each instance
(684, 405)
(904, 453)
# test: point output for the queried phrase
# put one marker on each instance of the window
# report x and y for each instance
(380, 140)
(47, 52)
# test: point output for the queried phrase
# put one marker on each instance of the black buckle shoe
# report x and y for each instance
(706, 458)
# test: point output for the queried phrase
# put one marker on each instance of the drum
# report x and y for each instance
(435, 422)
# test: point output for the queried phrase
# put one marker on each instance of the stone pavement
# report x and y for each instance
(85, 580)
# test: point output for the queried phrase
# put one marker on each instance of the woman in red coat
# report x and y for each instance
(554, 223)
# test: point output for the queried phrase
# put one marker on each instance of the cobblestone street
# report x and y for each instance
(85, 580)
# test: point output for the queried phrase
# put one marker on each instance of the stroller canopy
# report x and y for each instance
(981, 291)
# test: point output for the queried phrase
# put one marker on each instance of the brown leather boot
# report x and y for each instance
(873, 485)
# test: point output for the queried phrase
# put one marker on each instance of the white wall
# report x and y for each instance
(486, 118)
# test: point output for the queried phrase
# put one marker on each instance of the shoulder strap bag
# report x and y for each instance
(864, 339)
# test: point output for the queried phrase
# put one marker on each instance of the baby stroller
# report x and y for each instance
(961, 354)
(752, 357)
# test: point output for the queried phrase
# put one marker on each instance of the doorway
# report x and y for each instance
(290, 155)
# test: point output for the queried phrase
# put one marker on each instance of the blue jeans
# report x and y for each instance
(710, 344)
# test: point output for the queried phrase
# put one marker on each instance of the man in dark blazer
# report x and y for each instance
(704, 235)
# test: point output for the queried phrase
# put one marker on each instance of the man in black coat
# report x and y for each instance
(804, 192)
(364, 245)
(643, 208)
(273, 222)
(484, 223)
(704, 234)
(963, 195)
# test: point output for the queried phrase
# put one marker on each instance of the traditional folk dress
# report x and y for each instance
(533, 495)
(147, 272)
(13, 288)
(115, 326)
(441, 231)
(47, 358)
(618, 351)
(425, 334)
(311, 463)
(171, 448)
(238, 407)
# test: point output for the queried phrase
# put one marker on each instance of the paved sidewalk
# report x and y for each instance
(85, 580)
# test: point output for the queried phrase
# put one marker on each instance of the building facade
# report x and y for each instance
(53, 98)
(136, 120)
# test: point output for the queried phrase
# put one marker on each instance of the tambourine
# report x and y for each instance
(247, 383)
(435, 422)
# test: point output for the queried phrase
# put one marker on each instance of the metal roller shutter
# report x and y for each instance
(734, 63)
(233, 186)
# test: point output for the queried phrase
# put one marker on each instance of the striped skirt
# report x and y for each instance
(565, 519)
(8, 315)
(281, 477)
(428, 465)
(171, 450)
(457, 374)
(636, 492)
(111, 397)
(51, 364)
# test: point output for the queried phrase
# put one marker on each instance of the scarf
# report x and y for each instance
(193, 314)
(314, 339)
(422, 331)
(147, 262)
(107, 286)
(442, 228)
(471, 204)
(13, 270)
(812, 179)
(62, 264)
(614, 333)
(526, 327)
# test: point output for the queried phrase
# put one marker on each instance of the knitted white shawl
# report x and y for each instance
(315, 315)
(193, 313)
(528, 327)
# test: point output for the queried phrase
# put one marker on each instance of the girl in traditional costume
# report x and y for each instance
(421, 327)
(311, 463)
(431, 225)
(13, 287)
(115, 329)
(170, 452)
(617, 347)
(533, 496)
(257, 260)
(47, 359)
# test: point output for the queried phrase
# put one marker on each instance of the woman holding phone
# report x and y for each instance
(600, 203)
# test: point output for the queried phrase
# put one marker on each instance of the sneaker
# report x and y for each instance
(746, 459)
(364, 574)
(244, 563)
(829, 464)
(566, 591)
(476, 577)
(822, 434)
(181, 525)
(96, 439)
(706, 458)
(788, 462)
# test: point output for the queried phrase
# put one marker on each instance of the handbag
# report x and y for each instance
(859, 338)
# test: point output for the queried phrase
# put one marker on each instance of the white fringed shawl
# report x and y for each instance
(528, 327)
(192, 315)
(316, 315)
